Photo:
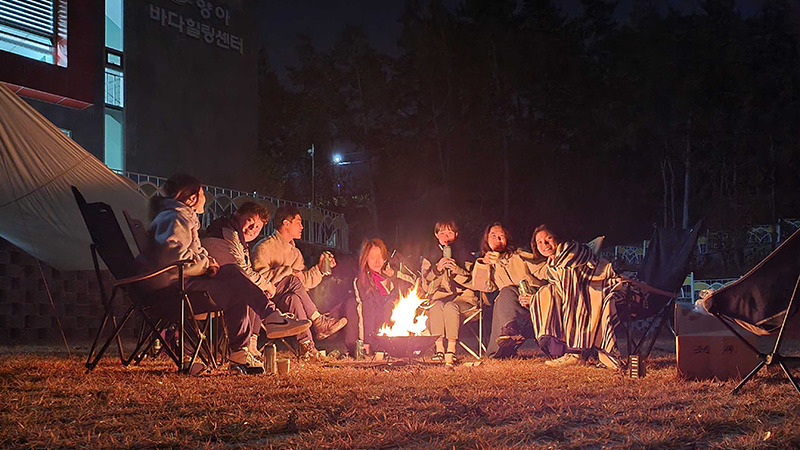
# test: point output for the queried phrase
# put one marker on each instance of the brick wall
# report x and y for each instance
(26, 313)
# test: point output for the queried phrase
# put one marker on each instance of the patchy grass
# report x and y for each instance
(46, 400)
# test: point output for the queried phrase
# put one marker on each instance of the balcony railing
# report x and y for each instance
(321, 226)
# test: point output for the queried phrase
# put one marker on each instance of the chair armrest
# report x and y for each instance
(148, 275)
(647, 288)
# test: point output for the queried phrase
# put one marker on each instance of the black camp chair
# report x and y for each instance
(763, 302)
(160, 309)
(665, 266)
(213, 320)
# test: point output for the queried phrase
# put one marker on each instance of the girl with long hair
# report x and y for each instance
(376, 288)
(500, 268)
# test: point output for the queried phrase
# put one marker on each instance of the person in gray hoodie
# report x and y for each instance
(174, 230)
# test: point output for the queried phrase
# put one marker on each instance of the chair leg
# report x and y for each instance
(789, 376)
(749, 376)
(92, 363)
(469, 350)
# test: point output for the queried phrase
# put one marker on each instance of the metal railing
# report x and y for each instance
(320, 226)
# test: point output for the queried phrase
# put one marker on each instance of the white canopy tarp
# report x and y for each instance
(38, 164)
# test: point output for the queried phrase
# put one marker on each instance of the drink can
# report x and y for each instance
(269, 355)
(524, 287)
(359, 349)
(327, 263)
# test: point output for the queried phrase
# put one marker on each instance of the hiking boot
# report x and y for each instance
(245, 362)
(569, 359)
(326, 327)
(280, 325)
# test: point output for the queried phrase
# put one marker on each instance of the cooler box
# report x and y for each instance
(707, 349)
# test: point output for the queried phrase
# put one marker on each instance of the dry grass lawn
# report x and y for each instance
(46, 400)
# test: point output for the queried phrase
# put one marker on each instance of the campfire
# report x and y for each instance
(404, 320)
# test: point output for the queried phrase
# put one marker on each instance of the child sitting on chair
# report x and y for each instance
(444, 285)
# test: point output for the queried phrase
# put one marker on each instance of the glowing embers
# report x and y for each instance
(404, 320)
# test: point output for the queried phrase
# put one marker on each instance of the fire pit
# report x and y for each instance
(404, 346)
(403, 335)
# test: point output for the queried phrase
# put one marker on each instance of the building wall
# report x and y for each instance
(26, 313)
(82, 80)
(191, 106)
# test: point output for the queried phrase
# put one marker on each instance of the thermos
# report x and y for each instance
(636, 367)
(359, 349)
(447, 252)
(270, 359)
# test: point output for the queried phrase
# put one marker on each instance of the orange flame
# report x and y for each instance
(404, 320)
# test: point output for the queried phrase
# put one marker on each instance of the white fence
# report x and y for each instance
(321, 226)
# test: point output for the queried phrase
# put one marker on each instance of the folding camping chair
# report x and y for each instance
(764, 301)
(664, 267)
(218, 340)
(160, 309)
(475, 314)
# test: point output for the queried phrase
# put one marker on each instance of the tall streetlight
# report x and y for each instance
(311, 152)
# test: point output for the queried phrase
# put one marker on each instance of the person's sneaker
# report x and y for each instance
(308, 351)
(608, 361)
(510, 341)
(509, 351)
(198, 367)
(253, 345)
(245, 362)
(280, 325)
(510, 336)
(569, 359)
(326, 327)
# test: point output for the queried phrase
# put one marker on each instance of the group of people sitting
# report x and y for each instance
(263, 288)
(562, 294)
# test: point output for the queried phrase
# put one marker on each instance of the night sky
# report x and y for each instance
(631, 122)
(281, 22)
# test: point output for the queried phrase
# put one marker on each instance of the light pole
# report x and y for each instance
(311, 152)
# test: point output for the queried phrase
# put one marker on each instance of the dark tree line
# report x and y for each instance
(512, 111)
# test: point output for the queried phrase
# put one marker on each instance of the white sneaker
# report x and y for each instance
(569, 359)
(253, 344)
(243, 361)
(609, 361)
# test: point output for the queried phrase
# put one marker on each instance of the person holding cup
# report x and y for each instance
(444, 278)
(377, 287)
(500, 268)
